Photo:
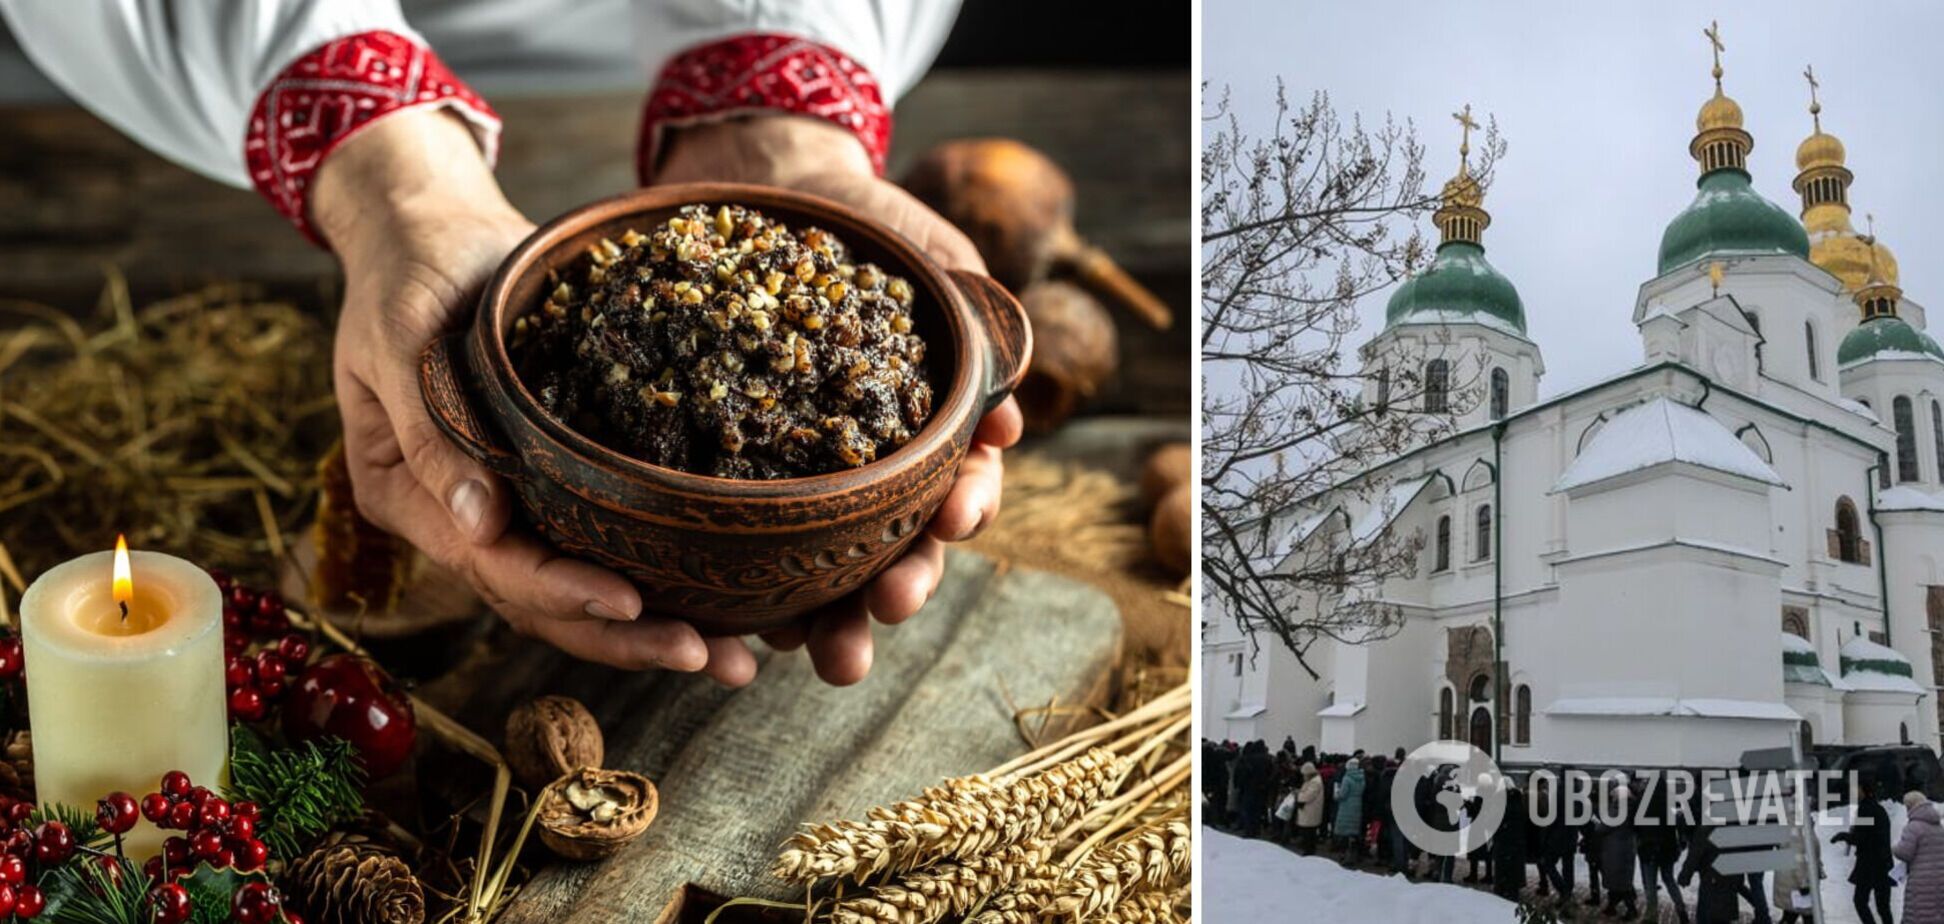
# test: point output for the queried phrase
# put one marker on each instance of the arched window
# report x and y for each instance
(1808, 736)
(1501, 393)
(1906, 423)
(1522, 715)
(1849, 533)
(1481, 729)
(1483, 531)
(1480, 688)
(1383, 391)
(1445, 730)
(1937, 435)
(1437, 385)
(1903, 732)
(1809, 337)
(1444, 544)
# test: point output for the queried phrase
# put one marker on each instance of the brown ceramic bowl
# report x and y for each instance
(729, 556)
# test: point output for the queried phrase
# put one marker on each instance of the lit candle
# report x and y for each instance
(124, 679)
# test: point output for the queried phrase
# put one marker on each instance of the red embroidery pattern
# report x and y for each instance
(332, 93)
(765, 71)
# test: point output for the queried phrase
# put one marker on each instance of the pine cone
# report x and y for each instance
(17, 765)
(348, 879)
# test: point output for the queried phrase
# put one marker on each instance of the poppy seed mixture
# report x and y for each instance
(724, 343)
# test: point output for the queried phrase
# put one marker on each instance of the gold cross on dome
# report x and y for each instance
(1713, 32)
(1464, 118)
(1815, 105)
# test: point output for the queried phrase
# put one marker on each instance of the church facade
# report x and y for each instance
(1737, 543)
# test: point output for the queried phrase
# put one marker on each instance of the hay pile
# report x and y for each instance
(193, 424)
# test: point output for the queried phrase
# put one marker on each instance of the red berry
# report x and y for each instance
(206, 844)
(221, 578)
(117, 813)
(350, 697)
(175, 784)
(8, 900)
(199, 795)
(176, 851)
(270, 666)
(29, 902)
(242, 827)
(12, 657)
(20, 843)
(255, 903)
(223, 858)
(111, 870)
(214, 813)
(182, 816)
(168, 904)
(294, 648)
(247, 809)
(243, 598)
(233, 623)
(235, 643)
(271, 689)
(13, 870)
(155, 808)
(270, 604)
(55, 843)
(152, 869)
(238, 671)
(251, 856)
(19, 812)
(246, 703)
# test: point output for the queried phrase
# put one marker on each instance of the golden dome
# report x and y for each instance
(1462, 190)
(1718, 112)
(1819, 150)
(1852, 258)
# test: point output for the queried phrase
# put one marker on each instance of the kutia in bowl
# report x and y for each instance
(839, 457)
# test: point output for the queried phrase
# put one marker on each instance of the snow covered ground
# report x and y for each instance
(1250, 881)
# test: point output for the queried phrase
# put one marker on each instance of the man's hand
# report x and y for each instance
(419, 225)
(822, 159)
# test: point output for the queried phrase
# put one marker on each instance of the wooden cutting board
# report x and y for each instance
(739, 770)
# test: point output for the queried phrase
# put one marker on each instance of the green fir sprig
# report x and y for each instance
(85, 893)
(303, 790)
(80, 823)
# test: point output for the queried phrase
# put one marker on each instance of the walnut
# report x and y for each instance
(1167, 466)
(1172, 530)
(551, 736)
(589, 814)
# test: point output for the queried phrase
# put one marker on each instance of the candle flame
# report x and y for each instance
(124, 580)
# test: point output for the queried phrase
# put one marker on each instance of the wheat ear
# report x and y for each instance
(1151, 858)
(965, 818)
(947, 889)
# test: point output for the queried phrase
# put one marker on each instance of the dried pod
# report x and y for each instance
(551, 736)
(1166, 467)
(1075, 351)
(589, 814)
(1172, 528)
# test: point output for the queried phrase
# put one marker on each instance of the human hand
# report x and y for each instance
(817, 157)
(419, 225)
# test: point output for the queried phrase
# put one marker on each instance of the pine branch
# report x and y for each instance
(84, 893)
(304, 790)
(79, 823)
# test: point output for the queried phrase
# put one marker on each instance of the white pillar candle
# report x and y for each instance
(117, 701)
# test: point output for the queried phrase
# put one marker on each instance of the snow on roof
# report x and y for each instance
(1871, 667)
(1797, 644)
(1340, 710)
(1386, 508)
(1873, 682)
(1859, 409)
(1662, 431)
(1247, 711)
(1658, 706)
(1908, 498)
(1860, 648)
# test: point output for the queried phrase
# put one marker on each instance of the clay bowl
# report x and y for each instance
(729, 556)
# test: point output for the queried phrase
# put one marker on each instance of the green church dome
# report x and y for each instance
(1728, 216)
(1885, 334)
(1460, 286)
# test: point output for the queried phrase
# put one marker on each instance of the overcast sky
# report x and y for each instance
(1597, 104)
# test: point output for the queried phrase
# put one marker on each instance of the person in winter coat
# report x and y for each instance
(1922, 850)
(1478, 849)
(1309, 809)
(1509, 846)
(1791, 881)
(1347, 826)
(1617, 851)
(1870, 835)
(1557, 840)
(1658, 843)
(1592, 841)
(1215, 782)
(1717, 902)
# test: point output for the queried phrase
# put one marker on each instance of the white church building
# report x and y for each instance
(1739, 540)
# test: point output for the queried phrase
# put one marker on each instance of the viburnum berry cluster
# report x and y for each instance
(215, 832)
(256, 681)
(25, 847)
(13, 657)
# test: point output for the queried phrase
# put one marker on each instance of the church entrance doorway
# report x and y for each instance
(1481, 729)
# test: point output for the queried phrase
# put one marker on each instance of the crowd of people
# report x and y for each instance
(1341, 806)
